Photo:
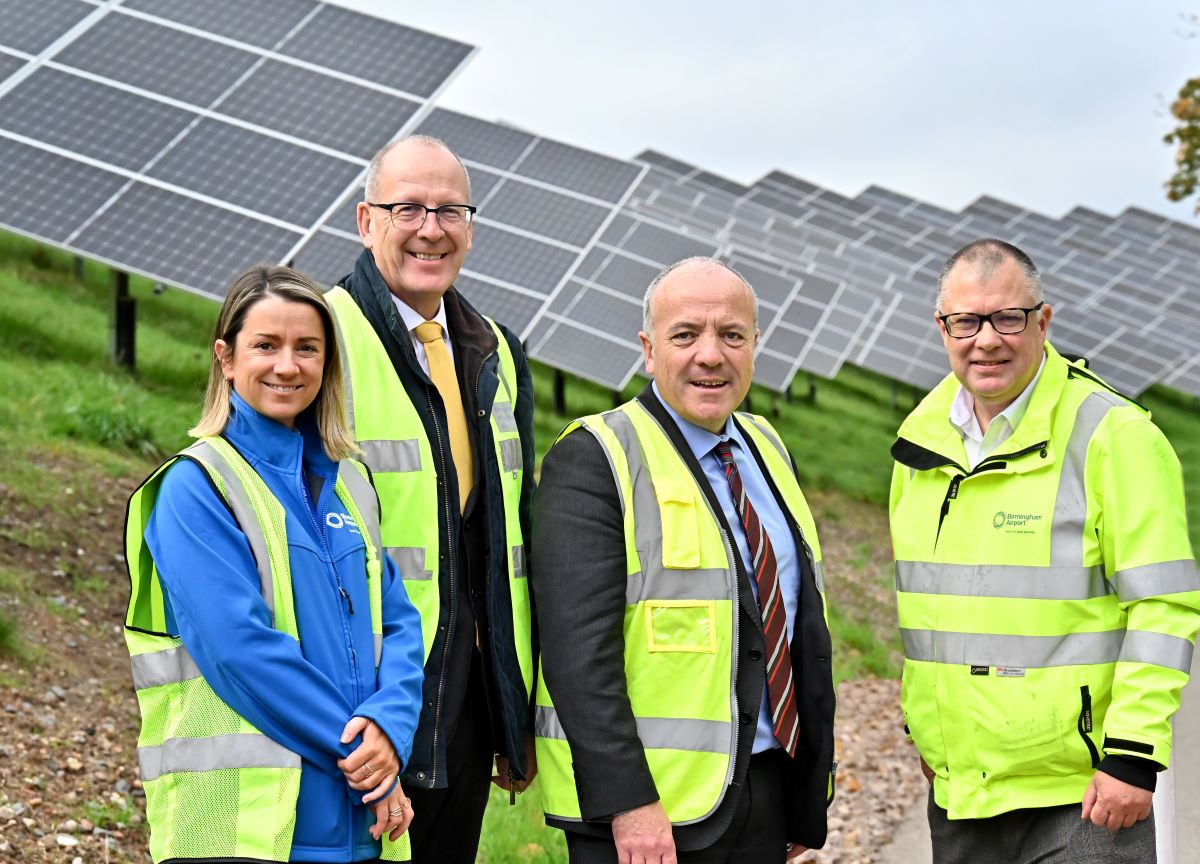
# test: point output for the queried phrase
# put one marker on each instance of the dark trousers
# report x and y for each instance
(756, 833)
(1038, 835)
(446, 822)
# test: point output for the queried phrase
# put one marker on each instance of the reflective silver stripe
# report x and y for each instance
(656, 733)
(518, 562)
(510, 455)
(656, 581)
(243, 512)
(411, 561)
(1030, 652)
(365, 501)
(397, 457)
(1158, 649)
(769, 435)
(1152, 580)
(506, 420)
(1070, 503)
(819, 573)
(214, 754)
(163, 667)
(377, 638)
(677, 585)
(347, 378)
(1001, 580)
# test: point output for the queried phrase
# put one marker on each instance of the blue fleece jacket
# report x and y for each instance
(298, 694)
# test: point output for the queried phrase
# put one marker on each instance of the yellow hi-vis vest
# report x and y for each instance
(680, 627)
(215, 786)
(390, 432)
(1047, 599)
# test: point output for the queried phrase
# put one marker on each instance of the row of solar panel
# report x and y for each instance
(198, 138)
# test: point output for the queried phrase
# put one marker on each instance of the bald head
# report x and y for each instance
(401, 147)
(682, 272)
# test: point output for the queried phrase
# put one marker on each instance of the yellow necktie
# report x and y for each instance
(441, 370)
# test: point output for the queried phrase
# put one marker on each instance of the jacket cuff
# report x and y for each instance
(1130, 769)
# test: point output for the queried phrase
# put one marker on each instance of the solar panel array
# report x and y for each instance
(192, 139)
(185, 141)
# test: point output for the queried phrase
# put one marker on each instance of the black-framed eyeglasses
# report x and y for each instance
(1007, 322)
(409, 215)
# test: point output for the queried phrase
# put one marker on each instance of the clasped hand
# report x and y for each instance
(374, 764)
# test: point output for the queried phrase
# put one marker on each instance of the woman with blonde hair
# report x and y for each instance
(277, 659)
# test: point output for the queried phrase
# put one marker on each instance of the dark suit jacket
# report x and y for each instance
(579, 582)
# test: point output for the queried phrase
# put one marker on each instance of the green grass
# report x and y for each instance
(518, 833)
(12, 646)
(65, 399)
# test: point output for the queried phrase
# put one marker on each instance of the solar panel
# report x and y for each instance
(32, 25)
(200, 138)
(329, 111)
(263, 23)
(8, 65)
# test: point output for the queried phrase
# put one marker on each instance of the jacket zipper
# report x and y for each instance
(450, 558)
(1085, 724)
(733, 702)
(991, 463)
(311, 507)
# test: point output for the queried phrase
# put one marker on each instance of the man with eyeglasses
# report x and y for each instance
(441, 401)
(1047, 593)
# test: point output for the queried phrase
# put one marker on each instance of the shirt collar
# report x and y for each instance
(699, 440)
(413, 319)
(962, 409)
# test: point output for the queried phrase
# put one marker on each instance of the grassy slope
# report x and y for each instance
(63, 397)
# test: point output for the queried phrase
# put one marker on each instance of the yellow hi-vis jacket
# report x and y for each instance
(199, 760)
(393, 439)
(680, 625)
(1048, 599)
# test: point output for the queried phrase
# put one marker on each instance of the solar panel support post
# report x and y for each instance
(811, 396)
(560, 392)
(124, 321)
(617, 401)
(78, 268)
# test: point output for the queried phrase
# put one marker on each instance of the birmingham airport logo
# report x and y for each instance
(1015, 520)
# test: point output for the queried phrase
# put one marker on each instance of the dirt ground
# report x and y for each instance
(68, 719)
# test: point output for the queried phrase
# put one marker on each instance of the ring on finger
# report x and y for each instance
(368, 770)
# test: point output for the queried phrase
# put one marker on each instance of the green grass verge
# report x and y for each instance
(65, 398)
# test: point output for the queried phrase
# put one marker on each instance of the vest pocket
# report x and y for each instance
(680, 529)
(681, 625)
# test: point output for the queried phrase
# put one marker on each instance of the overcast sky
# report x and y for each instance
(1046, 103)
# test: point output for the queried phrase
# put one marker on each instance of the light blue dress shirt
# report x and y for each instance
(702, 442)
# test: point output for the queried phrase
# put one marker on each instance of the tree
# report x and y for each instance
(1186, 137)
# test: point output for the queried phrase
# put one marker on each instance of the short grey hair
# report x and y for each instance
(371, 185)
(648, 316)
(987, 256)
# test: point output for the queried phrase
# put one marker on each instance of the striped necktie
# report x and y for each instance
(785, 722)
(441, 372)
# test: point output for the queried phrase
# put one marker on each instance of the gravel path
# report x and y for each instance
(878, 775)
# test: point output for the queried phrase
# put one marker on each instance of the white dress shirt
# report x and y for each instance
(980, 445)
(413, 319)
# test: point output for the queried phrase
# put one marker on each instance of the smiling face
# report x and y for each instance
(994, 368)
(418, 264)
(277, 360)
(701, 351)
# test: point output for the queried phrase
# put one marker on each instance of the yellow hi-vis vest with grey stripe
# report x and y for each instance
(681, 611)
(1047, 599)
(215, 786)
(390, 432)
